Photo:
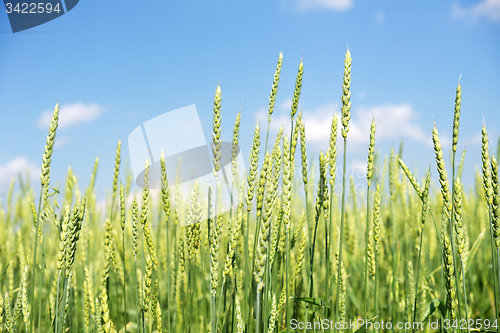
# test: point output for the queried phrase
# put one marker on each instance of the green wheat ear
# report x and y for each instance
(287, 183)
(49, 147)
(159, 327)
(443, 176)
(88, 297)
(293, 143)
(93, 175)
(332, 151)
(216, 151)
(346, 94)
(147, 283)
(239, 320)
(1, 311)
(263, 240)
(371, 255)
(411, 178)
(459, 229)
(303, 154)
(496, 201)
(485, 156)
(371, 153)
(322, 188)
(145, 215)
(425, 196)
(456, 118)
(122, 207)
(254, 163)
(116, 170)
(262, 183)
(376, 217)
(274, 316)
(461, 165)
(449, 272)
(25, 304)
(274, 88)
(135, 228)
(165, 192)
(234, 149)
(297, 90)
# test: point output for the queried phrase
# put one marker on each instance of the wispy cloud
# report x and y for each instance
(394, 121)
(72, 114)
(62, 141)
(379, 17)
(489, 9)
(286, 104)
(18, 165)
(334, 5)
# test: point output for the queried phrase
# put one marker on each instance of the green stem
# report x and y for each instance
(169, 275)
(308, 245)
(124, 283)
(311, 286)
(213, 311)
(257, 307)
(342, 218)
(57, 303)
(117, 280)
(330, 246)
(142, 281)
(495, 288)
(465, 295)
(267, 289)
(452, 223)
(190, 304)
(498, 268)
(33, 271)
(42, 276)
(287, 240)
(256, 237)
(63, 305)
(394, 261)
(137, 294)
(366, 253)
(246, 273)
(288, 313)
(327, 259)
(214, 228)
(222, 289)
(375, 295)
(418, 271)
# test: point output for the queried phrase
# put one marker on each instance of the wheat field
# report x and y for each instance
(291, 255)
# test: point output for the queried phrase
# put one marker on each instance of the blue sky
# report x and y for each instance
(114, 65)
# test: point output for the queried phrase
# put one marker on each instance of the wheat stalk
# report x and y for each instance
(346, 116)
(369, 175)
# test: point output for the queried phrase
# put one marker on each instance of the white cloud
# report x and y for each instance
(394, 121)
(379, 17)
(334, 5)
(489, 9)
(317, 123)
(18, 165)
(72, 114)
(474, 140)
(62, 141)
(262, 115)
(286, 104)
